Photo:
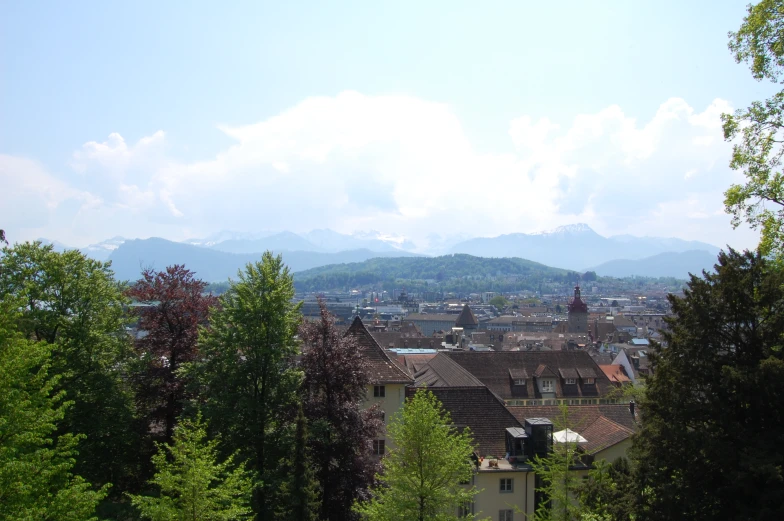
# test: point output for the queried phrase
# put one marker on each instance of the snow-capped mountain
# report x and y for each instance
(102, 250)
(228, 235)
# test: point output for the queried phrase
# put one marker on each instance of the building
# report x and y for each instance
(578, 314)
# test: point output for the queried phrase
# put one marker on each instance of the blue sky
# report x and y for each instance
(180, 119)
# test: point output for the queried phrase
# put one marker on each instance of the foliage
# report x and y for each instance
(609, 493)
(299, 494)
(336, 382)
(589, 276)
(74, 304)
(36, 482)
(557, 483)
(423, 470)
(710, 444)
(499, 302)
(247, 376)
(758, 131)
(193, 485)
(175, 308)
(2, 237)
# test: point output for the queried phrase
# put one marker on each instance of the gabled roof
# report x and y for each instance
(604, 433)
(568, 372)
(518, 373)
(442, 371)
(480, 410)
(615, 373)
(466, 318)
(383, 367)
(492, 369)
(580, 416)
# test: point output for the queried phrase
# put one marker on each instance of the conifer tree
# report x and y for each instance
(193, 484)
(424, 470)
(299, 494)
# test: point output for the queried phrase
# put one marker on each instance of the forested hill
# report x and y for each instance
(457, 271)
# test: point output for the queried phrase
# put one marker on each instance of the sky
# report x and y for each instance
(421, 119)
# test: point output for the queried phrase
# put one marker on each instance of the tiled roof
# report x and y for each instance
(442, 371)
(492, 369)
(518, 373)
(466, 318)
(604, 433)
(414, 363)
(580, 416)
(480, 410)
(383, 367)
(568, 372)
(615, 373)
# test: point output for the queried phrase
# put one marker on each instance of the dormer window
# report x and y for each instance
(571, 381)
(547, 386)
(519, 381)
(589, 381)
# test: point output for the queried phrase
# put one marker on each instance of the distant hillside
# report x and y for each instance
(434, 270)
(211, 265)
(669, 264)
(576, 247)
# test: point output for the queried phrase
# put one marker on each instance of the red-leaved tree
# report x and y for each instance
(341, 431)
(171, 305)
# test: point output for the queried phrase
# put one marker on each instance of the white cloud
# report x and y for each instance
(404, 165)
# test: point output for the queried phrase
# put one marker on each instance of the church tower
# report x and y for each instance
(578, 313)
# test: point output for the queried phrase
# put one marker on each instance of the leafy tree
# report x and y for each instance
(300, 493)
(2, 237)
(557, 482)
(589, 276)
(710, 443)
(336, 381)
(609, 492)
(193, 485)
(424, 469)
(758, 131)
(499, 302)
(176, 308)
(36, 482)
(74, 304)
(247, 375)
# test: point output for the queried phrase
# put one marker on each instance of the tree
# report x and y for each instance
(175, 308)
(589, 276)
(758, 131)
(609, 492)
(557, 482)
(710, 443)
(499, 302)
(2, 237)
(36, 480)
(336, 380)
(300, 499)
(193, 485)
(424, 470)
(74, 304)
(247, 375)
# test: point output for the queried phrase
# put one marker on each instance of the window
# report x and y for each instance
(519, 381)
(571, 381)
(465, 509)
(547, 386)
(383, 417)
(378, 447)
(379, 391)
(589, 381)
(507, 485)
(506, 515)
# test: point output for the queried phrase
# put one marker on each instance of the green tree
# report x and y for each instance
(36, 482)
(424, 470)
(710, 443)
(193, 485)
(499, 302)
(609, 492)
(247, 375)
(74, 304)
(299, 494)
(758, 131)
(557, 481)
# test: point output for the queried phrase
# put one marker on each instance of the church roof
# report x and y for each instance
(466, 318)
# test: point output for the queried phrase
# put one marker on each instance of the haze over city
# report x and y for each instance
(182, 120)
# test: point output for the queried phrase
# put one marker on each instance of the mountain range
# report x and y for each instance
(575, 247)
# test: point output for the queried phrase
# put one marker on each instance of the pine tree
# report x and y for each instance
(299, 494)
(424, 470)
(36, 482)
(193, 485)
(336, 381)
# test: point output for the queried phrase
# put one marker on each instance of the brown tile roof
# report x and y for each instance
(492, 369)
(442, 371)
(466, 318)
(480, 410)
(383, 367)
(604, 433)
(580, 416)
(518, 373)
(414, 363)
(615, 373)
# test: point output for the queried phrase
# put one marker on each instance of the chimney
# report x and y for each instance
(631, 407)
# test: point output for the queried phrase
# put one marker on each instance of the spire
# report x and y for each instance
(466, 319)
